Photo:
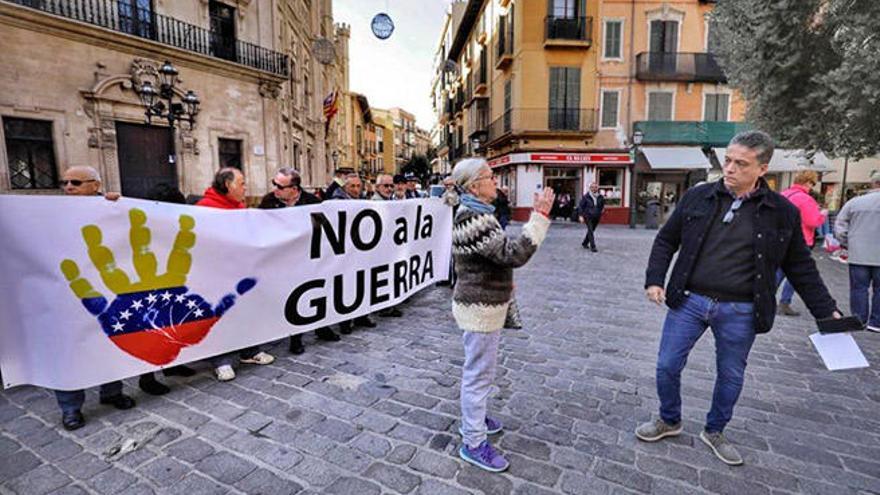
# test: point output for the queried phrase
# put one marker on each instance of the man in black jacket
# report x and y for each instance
(731, 237)
(287, 191)
(590, 212)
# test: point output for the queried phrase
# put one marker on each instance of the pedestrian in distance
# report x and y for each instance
(484, 261)
(411, 182)
(590, 211)
(85, 181)
(857, 227)
(287, 192)
(502, 207)
(227, 192)
(731, 237)
(812, 217)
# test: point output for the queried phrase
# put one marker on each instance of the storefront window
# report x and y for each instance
(611, 186)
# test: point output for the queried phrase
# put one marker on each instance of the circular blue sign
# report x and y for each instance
(382, 26)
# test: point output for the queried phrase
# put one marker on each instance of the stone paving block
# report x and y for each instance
(415, 399)
(335, 429)
(70, 490)
(61, 449)
(667, 468)
(535, 449)
(349, 486)
(349, 458)
(17, 463)
(411, 434)
(433, 487)
(316, 472)
(729, 485)
(165, 436)
(190, 449)
(530, 489)
(214, 431)
(438, 465)
(263, 482)
(428, 420)
(39, 481)
(475, 478)
(281, 457)
(623, 475)
(401, 454)
(534, 471)
(372, 444)
(8, 446)
(112, 481)
(376, 422)
(391, 408)
(83, 466)
(195, 484)
(393, 477)
(225, 467)
(252, 421)
(136, 458)
(164, 471)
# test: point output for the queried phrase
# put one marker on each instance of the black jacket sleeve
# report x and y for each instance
(800, 269)
(665, 245)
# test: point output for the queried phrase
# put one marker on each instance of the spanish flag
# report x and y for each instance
(331, 107)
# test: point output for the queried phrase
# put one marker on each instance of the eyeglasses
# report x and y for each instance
(279, 186)
(384, 185)
(728, 217)
(490, 177)
(74, 182)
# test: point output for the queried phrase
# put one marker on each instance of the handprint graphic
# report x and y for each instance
(156, 317)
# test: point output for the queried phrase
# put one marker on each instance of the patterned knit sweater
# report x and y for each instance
(484, 263)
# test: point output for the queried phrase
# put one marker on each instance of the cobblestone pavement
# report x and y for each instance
(377, 412)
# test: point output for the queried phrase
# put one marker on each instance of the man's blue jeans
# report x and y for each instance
(787, 288)
(733, 326)
(72, 400)
(861, 279)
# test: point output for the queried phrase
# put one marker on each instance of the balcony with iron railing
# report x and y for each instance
(478, 120)
(542, 122)
(459, 101)
(573, 32)
(124, 17)
(679, 66)
(694, 133)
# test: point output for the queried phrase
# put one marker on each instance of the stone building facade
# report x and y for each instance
(72, 74)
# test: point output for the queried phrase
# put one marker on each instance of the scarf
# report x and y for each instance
(470, 201)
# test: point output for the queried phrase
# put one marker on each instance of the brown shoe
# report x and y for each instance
(786, 310)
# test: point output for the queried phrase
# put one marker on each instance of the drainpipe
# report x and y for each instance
(629, 93)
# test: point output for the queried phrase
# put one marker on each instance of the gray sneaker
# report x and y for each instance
(658, 429)
(723, 449)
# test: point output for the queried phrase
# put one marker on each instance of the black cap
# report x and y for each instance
(411, 177)
(399, 179)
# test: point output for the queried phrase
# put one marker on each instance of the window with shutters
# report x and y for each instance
(229, 152)
(660, 105)
(716, 106)
(712, 40)
(566, 9)
(565, 93)
(30, 153)
(663, 46)
(613, 46)
(610, 108)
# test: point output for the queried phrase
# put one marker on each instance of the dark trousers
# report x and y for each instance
(72, 400)
(864, 293)
(590, 238)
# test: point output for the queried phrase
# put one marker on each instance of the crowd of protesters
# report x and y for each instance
(734, 241)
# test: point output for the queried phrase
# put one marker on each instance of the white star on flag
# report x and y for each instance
(125, 315)
(191, 304)
(166, 296)
(137, 305)
(117, 327)
(152, 298)
(198, 313)
(179, 298)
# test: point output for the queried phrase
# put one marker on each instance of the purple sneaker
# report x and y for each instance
(484, 457)
(493, 426)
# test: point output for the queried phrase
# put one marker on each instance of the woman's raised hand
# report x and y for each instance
(544, 201)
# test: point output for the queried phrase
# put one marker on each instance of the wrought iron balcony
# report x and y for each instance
(568, 29)
(678, 66)
(503, 48)
(696, 133)
(543, 121)
(125, 17)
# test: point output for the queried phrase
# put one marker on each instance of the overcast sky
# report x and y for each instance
(395, 72)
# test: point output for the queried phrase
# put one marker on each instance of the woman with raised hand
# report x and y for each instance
(484, 262)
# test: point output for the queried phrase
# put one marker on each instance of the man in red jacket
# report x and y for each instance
(228, 192)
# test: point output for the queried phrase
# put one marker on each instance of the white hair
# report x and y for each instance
(467, 170)
(90, 171)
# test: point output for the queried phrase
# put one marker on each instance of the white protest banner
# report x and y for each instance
(94, 291)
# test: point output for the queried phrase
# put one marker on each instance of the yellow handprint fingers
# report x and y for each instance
(144, 260)
(114, 278)
(180, 260)
(81, 287)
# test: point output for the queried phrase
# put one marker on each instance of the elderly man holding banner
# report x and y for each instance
(484, 263)
(85, 181)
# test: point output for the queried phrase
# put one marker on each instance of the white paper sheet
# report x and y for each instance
(839, 351)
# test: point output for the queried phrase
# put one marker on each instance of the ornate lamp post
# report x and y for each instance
(637, 138)
(166, 104)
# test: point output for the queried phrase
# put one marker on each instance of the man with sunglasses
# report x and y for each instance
(287, 191)
(85, 181)
(384, 188)
(731, 237)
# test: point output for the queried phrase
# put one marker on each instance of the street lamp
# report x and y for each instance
(637, 138)
(162, 104)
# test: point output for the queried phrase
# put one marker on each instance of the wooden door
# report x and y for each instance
(143, 158)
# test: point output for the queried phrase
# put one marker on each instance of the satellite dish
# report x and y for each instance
(382, 26)
(324, 51)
